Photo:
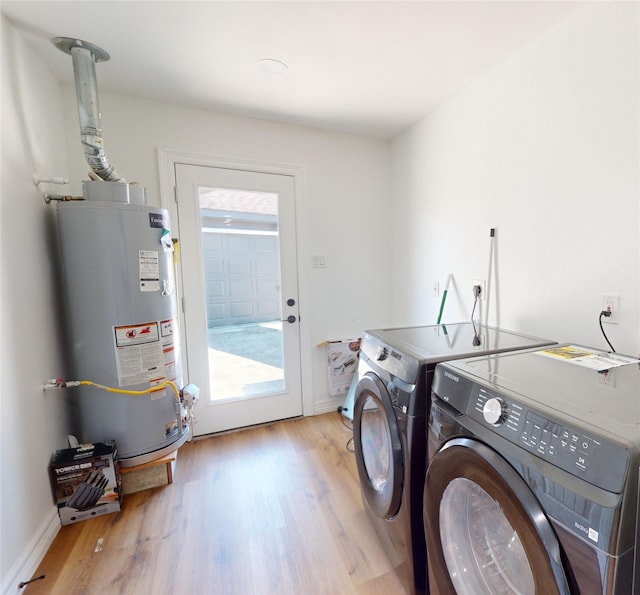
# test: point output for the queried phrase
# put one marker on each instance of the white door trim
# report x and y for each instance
(168, 158)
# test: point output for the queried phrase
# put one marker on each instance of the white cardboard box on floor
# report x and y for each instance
(342, 362)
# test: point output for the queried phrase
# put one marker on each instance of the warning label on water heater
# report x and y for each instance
(149, 266)
(136, 334)
(139, 353)
(168, 348)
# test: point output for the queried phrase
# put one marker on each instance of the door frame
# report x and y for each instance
(167, 160)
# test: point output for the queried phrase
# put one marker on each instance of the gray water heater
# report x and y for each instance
(122, 319)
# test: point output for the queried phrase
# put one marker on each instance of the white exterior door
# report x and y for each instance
(240, 294)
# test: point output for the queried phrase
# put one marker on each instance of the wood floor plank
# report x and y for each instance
(270, 510)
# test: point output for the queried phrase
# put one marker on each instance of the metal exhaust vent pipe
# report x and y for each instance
(85, 55)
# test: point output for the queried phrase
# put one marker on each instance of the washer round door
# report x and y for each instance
(378, 445)
(484, 528)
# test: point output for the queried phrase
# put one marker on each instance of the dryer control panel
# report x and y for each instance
(576, 450)
(384, 357)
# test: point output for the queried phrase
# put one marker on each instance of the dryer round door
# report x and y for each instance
(485, 530)
(378, 446)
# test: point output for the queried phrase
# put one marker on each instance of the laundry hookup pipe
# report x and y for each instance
(444, 298)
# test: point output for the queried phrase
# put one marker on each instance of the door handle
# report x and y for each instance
(290, 319)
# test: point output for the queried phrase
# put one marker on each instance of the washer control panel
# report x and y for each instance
(578, 451)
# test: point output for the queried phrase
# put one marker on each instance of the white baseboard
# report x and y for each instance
(328, 405)
(27, 564)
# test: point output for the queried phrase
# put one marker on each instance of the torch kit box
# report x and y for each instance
(86, 481)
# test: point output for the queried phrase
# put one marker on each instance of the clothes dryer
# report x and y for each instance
(532, 484)
(395, 371)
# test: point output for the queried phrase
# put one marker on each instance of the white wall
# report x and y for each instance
(33, 421)
(544, 149)
(345, 208)
(344, 202)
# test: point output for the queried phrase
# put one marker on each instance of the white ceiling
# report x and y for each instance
(371, 67)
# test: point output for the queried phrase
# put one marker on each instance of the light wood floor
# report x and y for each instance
(274, 509)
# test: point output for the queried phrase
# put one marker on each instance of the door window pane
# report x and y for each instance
(241, 260)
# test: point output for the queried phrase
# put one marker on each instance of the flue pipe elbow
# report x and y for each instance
(84, 56)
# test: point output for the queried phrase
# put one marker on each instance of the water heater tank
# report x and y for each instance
(122, 319)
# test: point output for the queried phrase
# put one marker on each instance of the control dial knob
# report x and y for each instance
(495, 411)
(381, 353)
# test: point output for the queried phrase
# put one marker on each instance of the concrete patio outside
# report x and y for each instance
(246, 360)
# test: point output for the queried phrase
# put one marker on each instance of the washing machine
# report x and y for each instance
(391, 403)
(532, 483)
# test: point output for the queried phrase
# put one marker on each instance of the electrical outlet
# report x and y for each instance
(611, 303)
(482, 285)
